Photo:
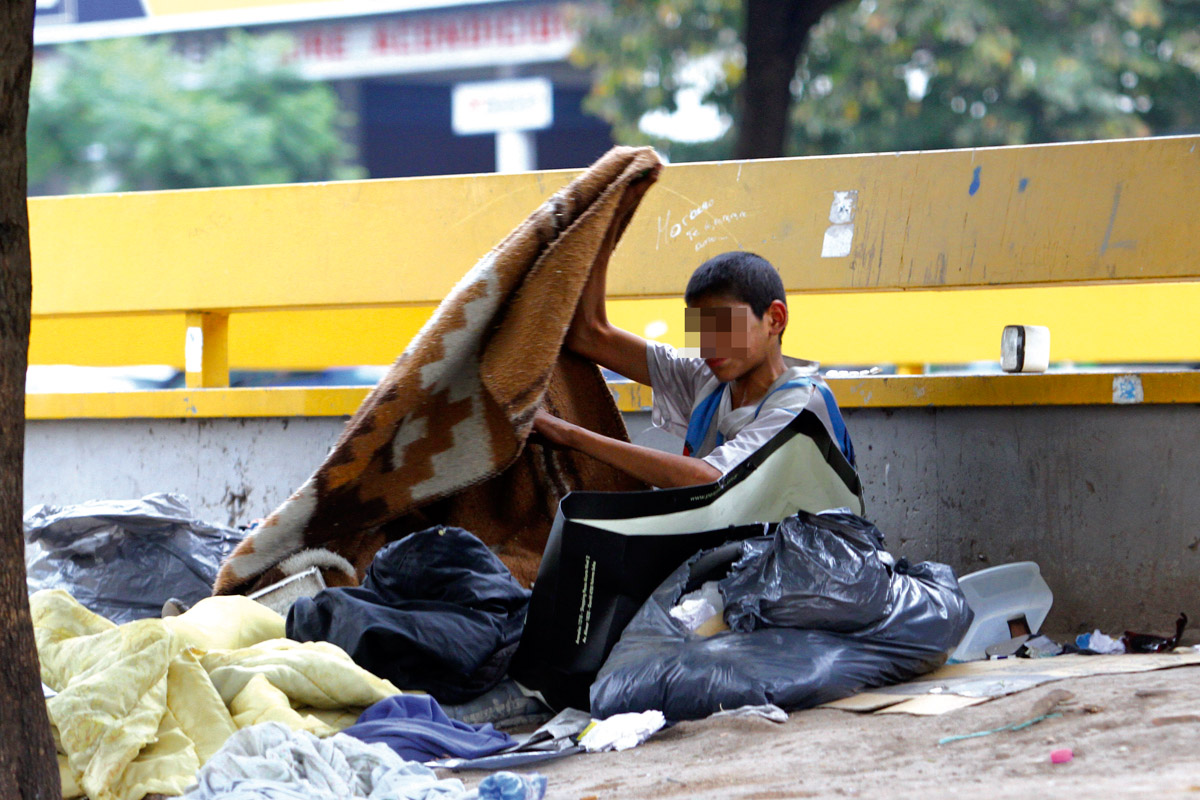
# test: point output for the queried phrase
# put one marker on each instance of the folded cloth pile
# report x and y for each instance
(437, 611)
(272, 762)
(142, 706)
(417, 729)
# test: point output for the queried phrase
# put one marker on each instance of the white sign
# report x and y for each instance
(56, 11)
(516, 105)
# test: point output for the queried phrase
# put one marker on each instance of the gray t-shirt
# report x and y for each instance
(681, 384)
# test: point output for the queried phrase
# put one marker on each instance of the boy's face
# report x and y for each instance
(732, 340)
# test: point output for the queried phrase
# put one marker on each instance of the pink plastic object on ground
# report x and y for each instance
(1061, 756)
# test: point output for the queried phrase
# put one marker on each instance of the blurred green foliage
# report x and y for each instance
(640, 52)
(134, 114)
(884, 75)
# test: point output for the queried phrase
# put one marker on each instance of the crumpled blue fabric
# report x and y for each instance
(511, 786)
(416, 728)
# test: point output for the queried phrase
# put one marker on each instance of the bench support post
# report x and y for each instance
(206, 350)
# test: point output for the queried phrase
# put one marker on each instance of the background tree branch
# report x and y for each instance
(775, 34)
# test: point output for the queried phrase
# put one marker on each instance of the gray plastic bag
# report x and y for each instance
(875, 632)
(124, 558)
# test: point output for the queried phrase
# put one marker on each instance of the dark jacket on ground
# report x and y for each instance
(437, 612)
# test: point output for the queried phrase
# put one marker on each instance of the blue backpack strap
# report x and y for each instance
(701, 420)
(802, 383)
(704, 414)
(840, 434)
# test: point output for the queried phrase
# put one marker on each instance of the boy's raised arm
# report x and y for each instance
(591, 335)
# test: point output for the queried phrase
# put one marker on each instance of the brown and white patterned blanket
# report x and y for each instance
(443, 438)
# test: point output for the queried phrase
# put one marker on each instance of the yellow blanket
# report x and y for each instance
(140, 707)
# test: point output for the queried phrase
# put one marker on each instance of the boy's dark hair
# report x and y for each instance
(739, 275)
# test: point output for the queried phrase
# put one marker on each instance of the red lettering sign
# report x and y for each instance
(346, 43)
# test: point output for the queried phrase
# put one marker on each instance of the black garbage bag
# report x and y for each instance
(437, 611)
(124, 558)
(828, 572)
(900, 629)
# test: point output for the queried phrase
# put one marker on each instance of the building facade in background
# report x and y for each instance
(398, 65)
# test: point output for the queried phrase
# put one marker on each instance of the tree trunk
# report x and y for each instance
(775, 35)
(27, 763)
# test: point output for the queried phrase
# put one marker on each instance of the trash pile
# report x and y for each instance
(814, 610)
(1011, 602)
(640, 618)
(364, 691)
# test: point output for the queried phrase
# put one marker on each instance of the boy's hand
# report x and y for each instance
(556, 431)
(630, 199)
(636, 190)
(652, 466)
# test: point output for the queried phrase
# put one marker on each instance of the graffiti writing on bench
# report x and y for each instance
(698, 226)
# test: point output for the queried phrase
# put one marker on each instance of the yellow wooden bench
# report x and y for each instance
(897, 258)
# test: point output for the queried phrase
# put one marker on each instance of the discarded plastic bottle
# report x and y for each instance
(511, 786)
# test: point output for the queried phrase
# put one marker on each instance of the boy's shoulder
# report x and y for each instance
(677, 381)
(807, 368)
(669, 360)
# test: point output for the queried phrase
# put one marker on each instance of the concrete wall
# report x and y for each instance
(1105, 499)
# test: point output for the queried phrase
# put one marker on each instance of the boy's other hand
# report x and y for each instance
(554, 430)
(652, 466)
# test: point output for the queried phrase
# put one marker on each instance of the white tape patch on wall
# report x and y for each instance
(840, 233)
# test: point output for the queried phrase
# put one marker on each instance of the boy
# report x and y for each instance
(726, 404)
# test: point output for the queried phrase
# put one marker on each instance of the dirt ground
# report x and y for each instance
(1118, 726)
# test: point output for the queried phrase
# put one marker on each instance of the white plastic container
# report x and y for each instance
(1025, 348)
(279, 596)
(998, 596)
